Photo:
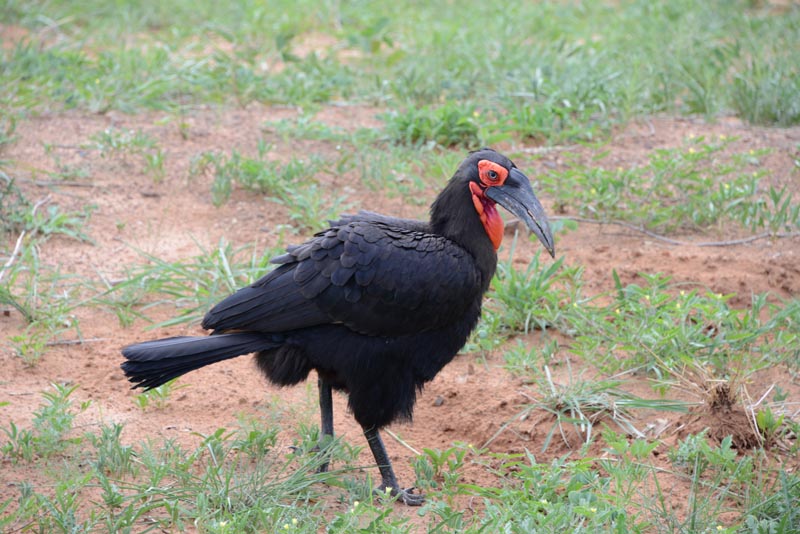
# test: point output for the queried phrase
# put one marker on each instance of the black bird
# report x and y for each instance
(376, 305)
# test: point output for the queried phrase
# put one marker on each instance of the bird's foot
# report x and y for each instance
(406, 496)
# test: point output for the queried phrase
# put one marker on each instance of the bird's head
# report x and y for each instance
(493, 179)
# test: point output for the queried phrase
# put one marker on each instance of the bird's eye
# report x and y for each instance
(491, 173)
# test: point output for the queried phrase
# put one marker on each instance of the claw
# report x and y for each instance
(407, 496)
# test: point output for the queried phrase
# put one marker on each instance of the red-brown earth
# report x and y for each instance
(471, 398)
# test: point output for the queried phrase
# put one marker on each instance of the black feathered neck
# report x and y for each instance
(453, 213)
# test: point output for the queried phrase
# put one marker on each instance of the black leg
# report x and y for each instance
(388, 480)
(326, 417)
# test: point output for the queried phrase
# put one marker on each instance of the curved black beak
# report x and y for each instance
(516, 195)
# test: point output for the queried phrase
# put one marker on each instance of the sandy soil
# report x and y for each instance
(468, 402)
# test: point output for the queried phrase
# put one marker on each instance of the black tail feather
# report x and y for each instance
(153, 363)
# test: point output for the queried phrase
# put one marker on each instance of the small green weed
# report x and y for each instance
(559, 496)
(22, 215)
(254, 174)
(691, 187)
(694, 454)
(8, 127)
(661, 328)
(585, 403)
(539, 297)
(397, 170)
(31, 344)
(775, 510)
(113, 142)
(536, 297)
(112, 457)
(369, 517)
(157, 397)
(716, 474)
(254, 439)
(60, 513)
(304, 126)
(765, 91)
(450, 125)
(552, 118)
(522, 360)
(311, 207)
(193, 285)
(46, 300)
(443, 468)
(65, 171)
(52, 422)
(125, 299)
(626, 464)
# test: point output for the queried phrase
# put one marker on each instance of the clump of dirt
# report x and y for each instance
(722, 415)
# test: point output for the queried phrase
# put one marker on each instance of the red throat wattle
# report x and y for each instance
(487, 211)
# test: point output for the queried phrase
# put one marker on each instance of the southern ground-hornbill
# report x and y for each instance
(376, 305)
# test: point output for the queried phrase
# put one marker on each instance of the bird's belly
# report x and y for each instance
(381, 374)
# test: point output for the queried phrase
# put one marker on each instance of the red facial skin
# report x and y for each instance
(491, 174)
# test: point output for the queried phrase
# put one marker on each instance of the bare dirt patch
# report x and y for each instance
(471, 401)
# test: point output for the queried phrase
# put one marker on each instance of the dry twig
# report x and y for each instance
(670, 241)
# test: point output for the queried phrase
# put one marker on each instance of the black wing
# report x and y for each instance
(371, 216)
(374, 277)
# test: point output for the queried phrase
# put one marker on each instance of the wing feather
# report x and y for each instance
(376, 275)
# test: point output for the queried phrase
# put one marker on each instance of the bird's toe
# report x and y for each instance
(406, 496)
(411, 499)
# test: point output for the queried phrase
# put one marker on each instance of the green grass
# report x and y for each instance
(45, 297)
(662, 329)
(292, 184)
(552, 72)
(694, 187)
(113, 142)
(447, 126)
(192, 285)
(241, 481)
